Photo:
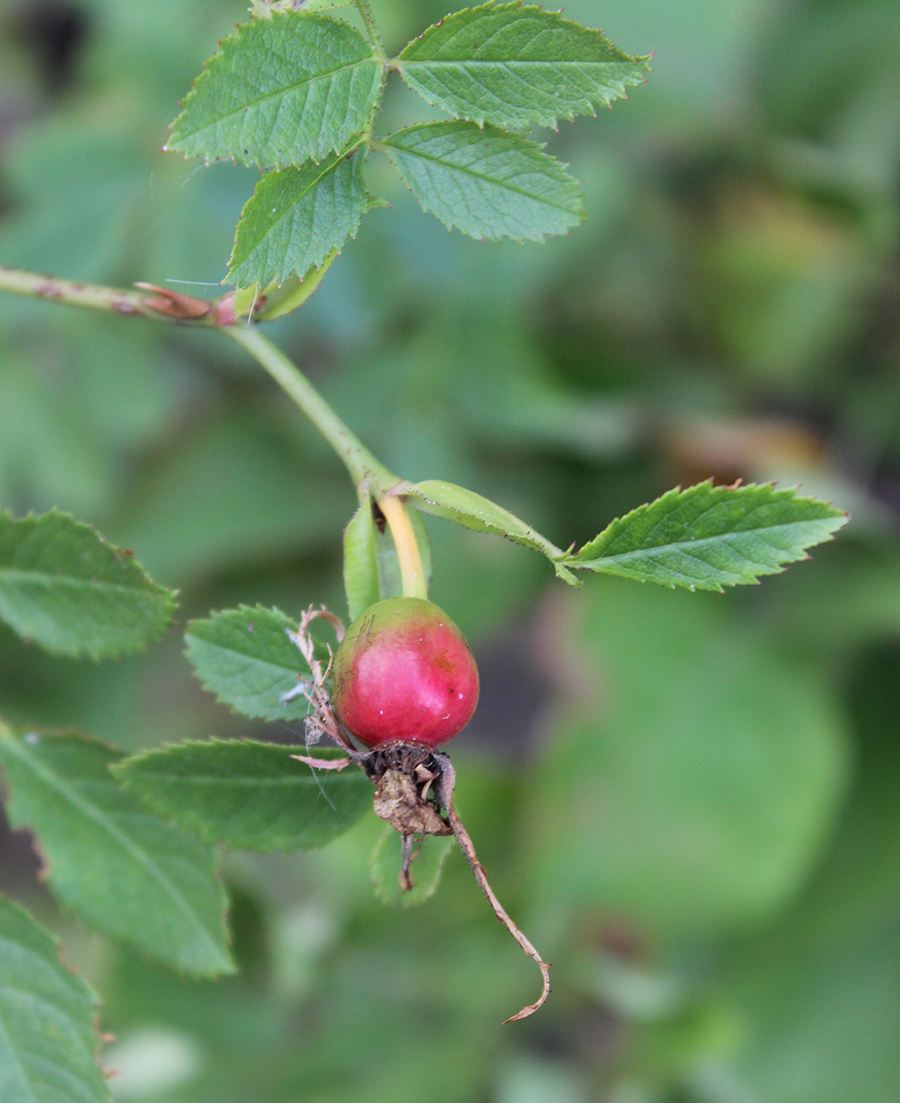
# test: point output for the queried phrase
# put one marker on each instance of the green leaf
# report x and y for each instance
(110, 860)
(708, 537)
(279, 92)
(248, 795)
(246, 658)
(65, 588)
(361, 561)
(425, 870)
(297, 218)
(47, 1039)
(484, 182)
(465, 507)
(516, 66)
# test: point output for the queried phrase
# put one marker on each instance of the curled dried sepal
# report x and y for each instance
(322, 719)
(414, 793)
(467, 847)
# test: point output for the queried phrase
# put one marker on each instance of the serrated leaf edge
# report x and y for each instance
(838, 518)
(550, 121)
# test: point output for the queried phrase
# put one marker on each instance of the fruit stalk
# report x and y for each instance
(412, 573)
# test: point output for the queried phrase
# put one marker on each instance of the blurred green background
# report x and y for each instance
(691, 803)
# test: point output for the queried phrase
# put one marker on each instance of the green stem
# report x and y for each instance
(360, 462)
(371, 29)
(370, 476)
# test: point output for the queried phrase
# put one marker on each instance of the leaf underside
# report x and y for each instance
(47, 1039)
(248, 795)
(246, 658)
(280, 91)
(516, 66)
(63, 587)
(361, 584)
(708, 537)
(484, 182)
(296, 219)
(111, 860)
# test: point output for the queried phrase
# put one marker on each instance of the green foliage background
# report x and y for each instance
(691, 802)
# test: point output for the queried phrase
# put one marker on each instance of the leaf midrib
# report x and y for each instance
(481, 176)
(331, 166)
(103, 821)
(464, 63)
(685, 545)
(213, 779)
(295, 671)
(23, 1072)
(20, 576)
(328, 73)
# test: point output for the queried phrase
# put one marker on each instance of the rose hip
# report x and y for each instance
(404, 673)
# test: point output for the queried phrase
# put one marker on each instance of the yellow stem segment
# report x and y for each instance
(412, 573)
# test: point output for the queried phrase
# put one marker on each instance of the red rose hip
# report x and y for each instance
(404, 673)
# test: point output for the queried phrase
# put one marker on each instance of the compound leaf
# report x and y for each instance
(708, 537)
(47, 1038)
(296, 219)
(484, 182)
(280, 91)
(248, 795)
(65, 588)
(111, 860)
(246, 658)
(515, 66)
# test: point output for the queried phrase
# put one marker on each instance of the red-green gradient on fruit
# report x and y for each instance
(404, 672)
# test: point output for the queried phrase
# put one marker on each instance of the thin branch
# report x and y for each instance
(158, 303)
(468, 848)
(358, 460)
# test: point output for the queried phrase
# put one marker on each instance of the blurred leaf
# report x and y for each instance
(513, 66)
(47, 1039)
(850, 599)
(708, 537)
(48, 455)
(119, 867)
(430, 853)
(248, 795)
(817, 987)
(361, 562)
(484, 182)
(64, 587)
(280, 91)
(79, 186)
(693, 785)
(297, 218)
(246, 658)
(228, 495)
